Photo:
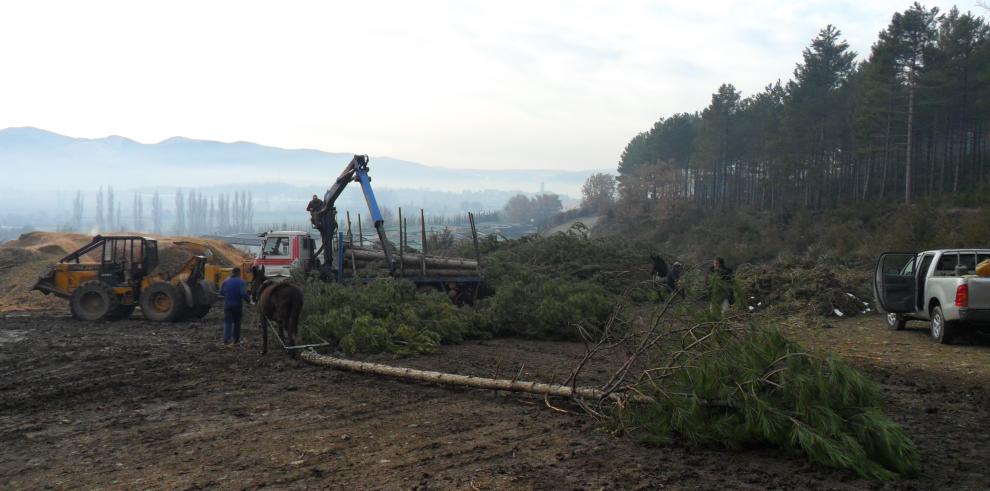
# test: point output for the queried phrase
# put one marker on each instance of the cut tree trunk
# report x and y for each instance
(315, 358)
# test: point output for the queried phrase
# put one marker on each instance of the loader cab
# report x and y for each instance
(125, 260)
(118, 260)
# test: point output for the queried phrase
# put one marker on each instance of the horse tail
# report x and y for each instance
(297, 305)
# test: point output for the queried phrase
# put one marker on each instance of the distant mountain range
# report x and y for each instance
(44, 160)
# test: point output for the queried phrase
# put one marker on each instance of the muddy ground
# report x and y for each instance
(134, 405)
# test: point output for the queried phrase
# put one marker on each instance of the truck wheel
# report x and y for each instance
(162, 302)
(896, 322)
(93, 301)
(940, 329)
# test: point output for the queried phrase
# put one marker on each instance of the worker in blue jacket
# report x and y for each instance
(234, 293)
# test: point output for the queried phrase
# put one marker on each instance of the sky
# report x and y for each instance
(467, 84)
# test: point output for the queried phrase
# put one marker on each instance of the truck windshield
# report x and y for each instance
(276, 246)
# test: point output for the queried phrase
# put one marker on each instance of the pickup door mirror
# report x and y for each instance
(895, 284)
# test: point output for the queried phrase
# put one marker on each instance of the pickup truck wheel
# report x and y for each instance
(896, 322)
(940, 329)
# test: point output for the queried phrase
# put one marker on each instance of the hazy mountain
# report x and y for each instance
(58, 161)
(44, 170)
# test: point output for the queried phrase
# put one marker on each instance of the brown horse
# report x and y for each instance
(279, 302)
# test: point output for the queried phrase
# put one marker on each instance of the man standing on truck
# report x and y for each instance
(234, 293)
(314, 207)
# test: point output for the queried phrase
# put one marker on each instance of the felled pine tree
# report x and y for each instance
(730, 389)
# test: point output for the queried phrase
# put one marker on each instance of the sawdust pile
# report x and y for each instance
(23, 260)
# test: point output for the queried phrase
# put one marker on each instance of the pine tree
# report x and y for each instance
(911, 36)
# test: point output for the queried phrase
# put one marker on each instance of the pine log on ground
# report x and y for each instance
(509, 385)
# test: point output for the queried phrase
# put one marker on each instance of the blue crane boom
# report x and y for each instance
(356, 170)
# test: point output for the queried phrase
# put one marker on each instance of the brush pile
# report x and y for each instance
(792, 287)
(616, 265)
(733, 386)
(387, 316)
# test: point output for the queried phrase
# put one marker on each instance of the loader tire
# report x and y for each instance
(93, 301)
(163, 302)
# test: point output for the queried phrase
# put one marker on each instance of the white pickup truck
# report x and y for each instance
(939, 287)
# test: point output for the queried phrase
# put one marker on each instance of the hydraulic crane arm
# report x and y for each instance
(356, 170)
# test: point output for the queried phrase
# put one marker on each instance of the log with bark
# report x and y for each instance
(379, 270)
(415, 260)
(509, 385)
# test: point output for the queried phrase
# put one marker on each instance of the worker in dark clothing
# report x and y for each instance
(659, 271)
(234, 293)
(721, 276)
(720, 269)
(314, 207)
(672, 277)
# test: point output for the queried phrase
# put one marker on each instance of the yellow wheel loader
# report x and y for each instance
(112, 275)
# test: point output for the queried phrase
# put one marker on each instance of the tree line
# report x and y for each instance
(909, 121)
(538, 210)
(195, 213)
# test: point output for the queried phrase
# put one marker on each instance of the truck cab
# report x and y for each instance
(938, 286)
(285, 249)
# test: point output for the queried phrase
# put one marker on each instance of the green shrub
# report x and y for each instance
(537, 306)
(544, 287)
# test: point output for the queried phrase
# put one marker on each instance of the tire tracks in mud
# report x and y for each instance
(165, 407)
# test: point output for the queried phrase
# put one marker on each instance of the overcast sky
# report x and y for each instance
(487, 84)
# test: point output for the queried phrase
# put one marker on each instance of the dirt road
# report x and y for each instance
(136, 405)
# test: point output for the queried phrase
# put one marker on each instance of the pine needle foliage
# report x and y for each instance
(616, 265)
(731, 389)
(386, 316)
(538, 306)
